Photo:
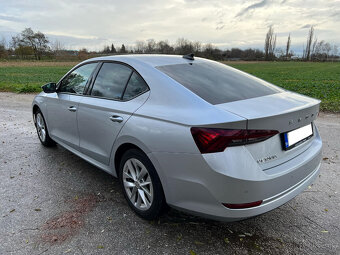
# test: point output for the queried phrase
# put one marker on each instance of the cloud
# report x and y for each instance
(306, 26)
(93, 24)
(252, 7)
(10, 18)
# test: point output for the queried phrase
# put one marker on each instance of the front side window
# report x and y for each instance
(135, 87)
(111, 81)
(75, 81)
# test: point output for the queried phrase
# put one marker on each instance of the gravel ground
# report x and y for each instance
(52, 202)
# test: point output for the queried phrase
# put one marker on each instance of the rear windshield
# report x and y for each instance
(217, 83)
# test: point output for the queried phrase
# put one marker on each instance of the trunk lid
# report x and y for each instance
(284, 112)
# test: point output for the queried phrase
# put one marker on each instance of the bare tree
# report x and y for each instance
(270, 44)
(313, 48)
(164, 47)
(309, 43)
(3, 48)
(197, 46)
(334, 52)
(288, 46)
(57, 47)
(151, 46)
(327, 49)
(184, 46)
(140, 47)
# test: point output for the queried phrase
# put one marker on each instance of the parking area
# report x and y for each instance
(53, 202)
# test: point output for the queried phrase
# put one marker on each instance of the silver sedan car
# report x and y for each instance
(186, 132)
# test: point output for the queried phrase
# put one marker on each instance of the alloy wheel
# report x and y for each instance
(138, 184)
(41, 127)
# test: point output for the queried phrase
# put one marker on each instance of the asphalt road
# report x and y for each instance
(52, 202)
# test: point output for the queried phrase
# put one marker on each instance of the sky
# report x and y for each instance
(224, 23)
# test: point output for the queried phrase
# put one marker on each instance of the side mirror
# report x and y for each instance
(50, 87)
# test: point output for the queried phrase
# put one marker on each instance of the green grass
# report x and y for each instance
(318, 80)
(26, 79)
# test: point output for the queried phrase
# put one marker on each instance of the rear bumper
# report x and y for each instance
(225, 214)
(199, 185)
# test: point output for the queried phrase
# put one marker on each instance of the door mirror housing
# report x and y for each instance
(50, 87)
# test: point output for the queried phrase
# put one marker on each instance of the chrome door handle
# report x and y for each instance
(72, 108)
(116, 118)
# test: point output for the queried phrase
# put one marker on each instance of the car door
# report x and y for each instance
(62, 106)
(117, 92)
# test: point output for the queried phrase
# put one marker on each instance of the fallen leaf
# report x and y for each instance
(326, 210)
(12, 210)
(324, 231)
(226, 240)
(241, 239)
(280, 240)
(76, 197)
(179, 237)
(258, 246)
(192, 252)
(241, 236)
(26, 241)
(325, 158)
(37, 209)
(100, 247)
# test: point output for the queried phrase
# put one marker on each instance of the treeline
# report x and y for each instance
(35, 45)
(184, 46)
(313, 50)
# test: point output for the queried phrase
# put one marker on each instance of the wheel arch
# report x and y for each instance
(35, 108)
(120, 152)
(125, 143)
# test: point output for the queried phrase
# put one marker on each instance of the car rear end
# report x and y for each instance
(248, 168)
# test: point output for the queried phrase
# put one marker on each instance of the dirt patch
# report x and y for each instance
(67, 224)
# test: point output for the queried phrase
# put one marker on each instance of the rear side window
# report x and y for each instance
(217, 83)
(135, 87)
(111, 81)
(75, 81)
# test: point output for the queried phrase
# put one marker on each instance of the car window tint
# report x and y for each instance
(75, 81)
(217, 83)
(111, 81)
(135, 86)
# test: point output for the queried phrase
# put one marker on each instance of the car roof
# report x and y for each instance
(149, 59)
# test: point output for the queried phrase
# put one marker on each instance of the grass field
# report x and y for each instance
(319, 80)
(26, 77)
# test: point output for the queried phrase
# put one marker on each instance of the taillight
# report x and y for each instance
(209, 140)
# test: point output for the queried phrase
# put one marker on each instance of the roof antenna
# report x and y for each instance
(189, 56)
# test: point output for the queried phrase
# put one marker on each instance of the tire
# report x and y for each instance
(146, 200)
(40, 125)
